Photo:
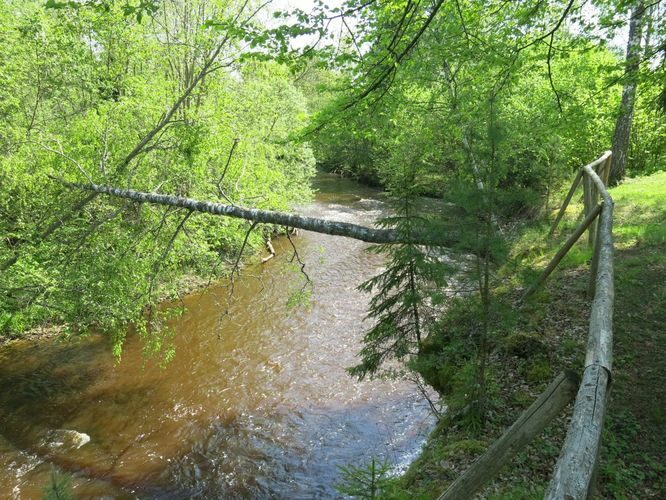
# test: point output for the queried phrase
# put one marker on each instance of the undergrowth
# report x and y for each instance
(531, 345)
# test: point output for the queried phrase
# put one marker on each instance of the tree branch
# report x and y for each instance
(158, 264)
(297, 257)
(550, 72)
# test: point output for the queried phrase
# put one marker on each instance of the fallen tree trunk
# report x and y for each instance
(335, 228)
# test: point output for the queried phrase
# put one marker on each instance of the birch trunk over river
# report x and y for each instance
(332, 227)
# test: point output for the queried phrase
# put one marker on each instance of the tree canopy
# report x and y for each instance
(488, 105)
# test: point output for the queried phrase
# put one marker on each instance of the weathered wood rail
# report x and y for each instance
(592, 184)
(576, 467)
(547, 406)
(575, 470)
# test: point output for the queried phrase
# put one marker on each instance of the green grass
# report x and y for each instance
(633, 460)
(640, 211)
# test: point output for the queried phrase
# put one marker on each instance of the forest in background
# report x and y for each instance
(489, 107)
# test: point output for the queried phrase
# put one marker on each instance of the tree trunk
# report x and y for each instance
(335, 228)
(622, 132)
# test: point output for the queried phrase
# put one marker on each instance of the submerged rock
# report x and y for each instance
(66, 439)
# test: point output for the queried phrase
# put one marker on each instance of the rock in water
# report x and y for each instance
(66, 438)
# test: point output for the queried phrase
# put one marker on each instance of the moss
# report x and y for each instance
(570, 346)
(522, 398)
(449, 451)
(538, 370)
(524, 345)
(521, 491)
(465, 447)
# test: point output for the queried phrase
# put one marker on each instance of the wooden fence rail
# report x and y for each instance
(587, 222)
(576, 467)
(547, 406)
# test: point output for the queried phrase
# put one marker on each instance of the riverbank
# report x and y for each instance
(549, 336)
(187, 284)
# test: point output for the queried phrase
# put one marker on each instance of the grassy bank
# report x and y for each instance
(531, 346)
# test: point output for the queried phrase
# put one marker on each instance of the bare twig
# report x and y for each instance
(236, 267)
(551, 32)
(224, 172)
(424, 392)
(235, 270)
(158, 264)
(271, 251)
(550, 72)
(353, 39)
(297, 257)
(66, 157)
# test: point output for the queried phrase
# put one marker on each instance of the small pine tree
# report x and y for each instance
(364, 482)
(411, 279)
(59, 487)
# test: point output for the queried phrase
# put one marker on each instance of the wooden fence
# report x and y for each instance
(575, 470)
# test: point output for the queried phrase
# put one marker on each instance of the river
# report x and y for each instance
(256, 403)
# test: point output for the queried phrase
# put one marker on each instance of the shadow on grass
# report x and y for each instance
(634, 444)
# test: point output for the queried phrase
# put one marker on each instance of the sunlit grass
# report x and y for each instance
(639, 218)
(640, 211)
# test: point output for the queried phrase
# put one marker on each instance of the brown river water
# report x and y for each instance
(256, 403)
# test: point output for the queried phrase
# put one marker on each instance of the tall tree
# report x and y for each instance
(622, 133)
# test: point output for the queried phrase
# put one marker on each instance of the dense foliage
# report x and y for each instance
(487, 106)
(549, 104)
(93, 95)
